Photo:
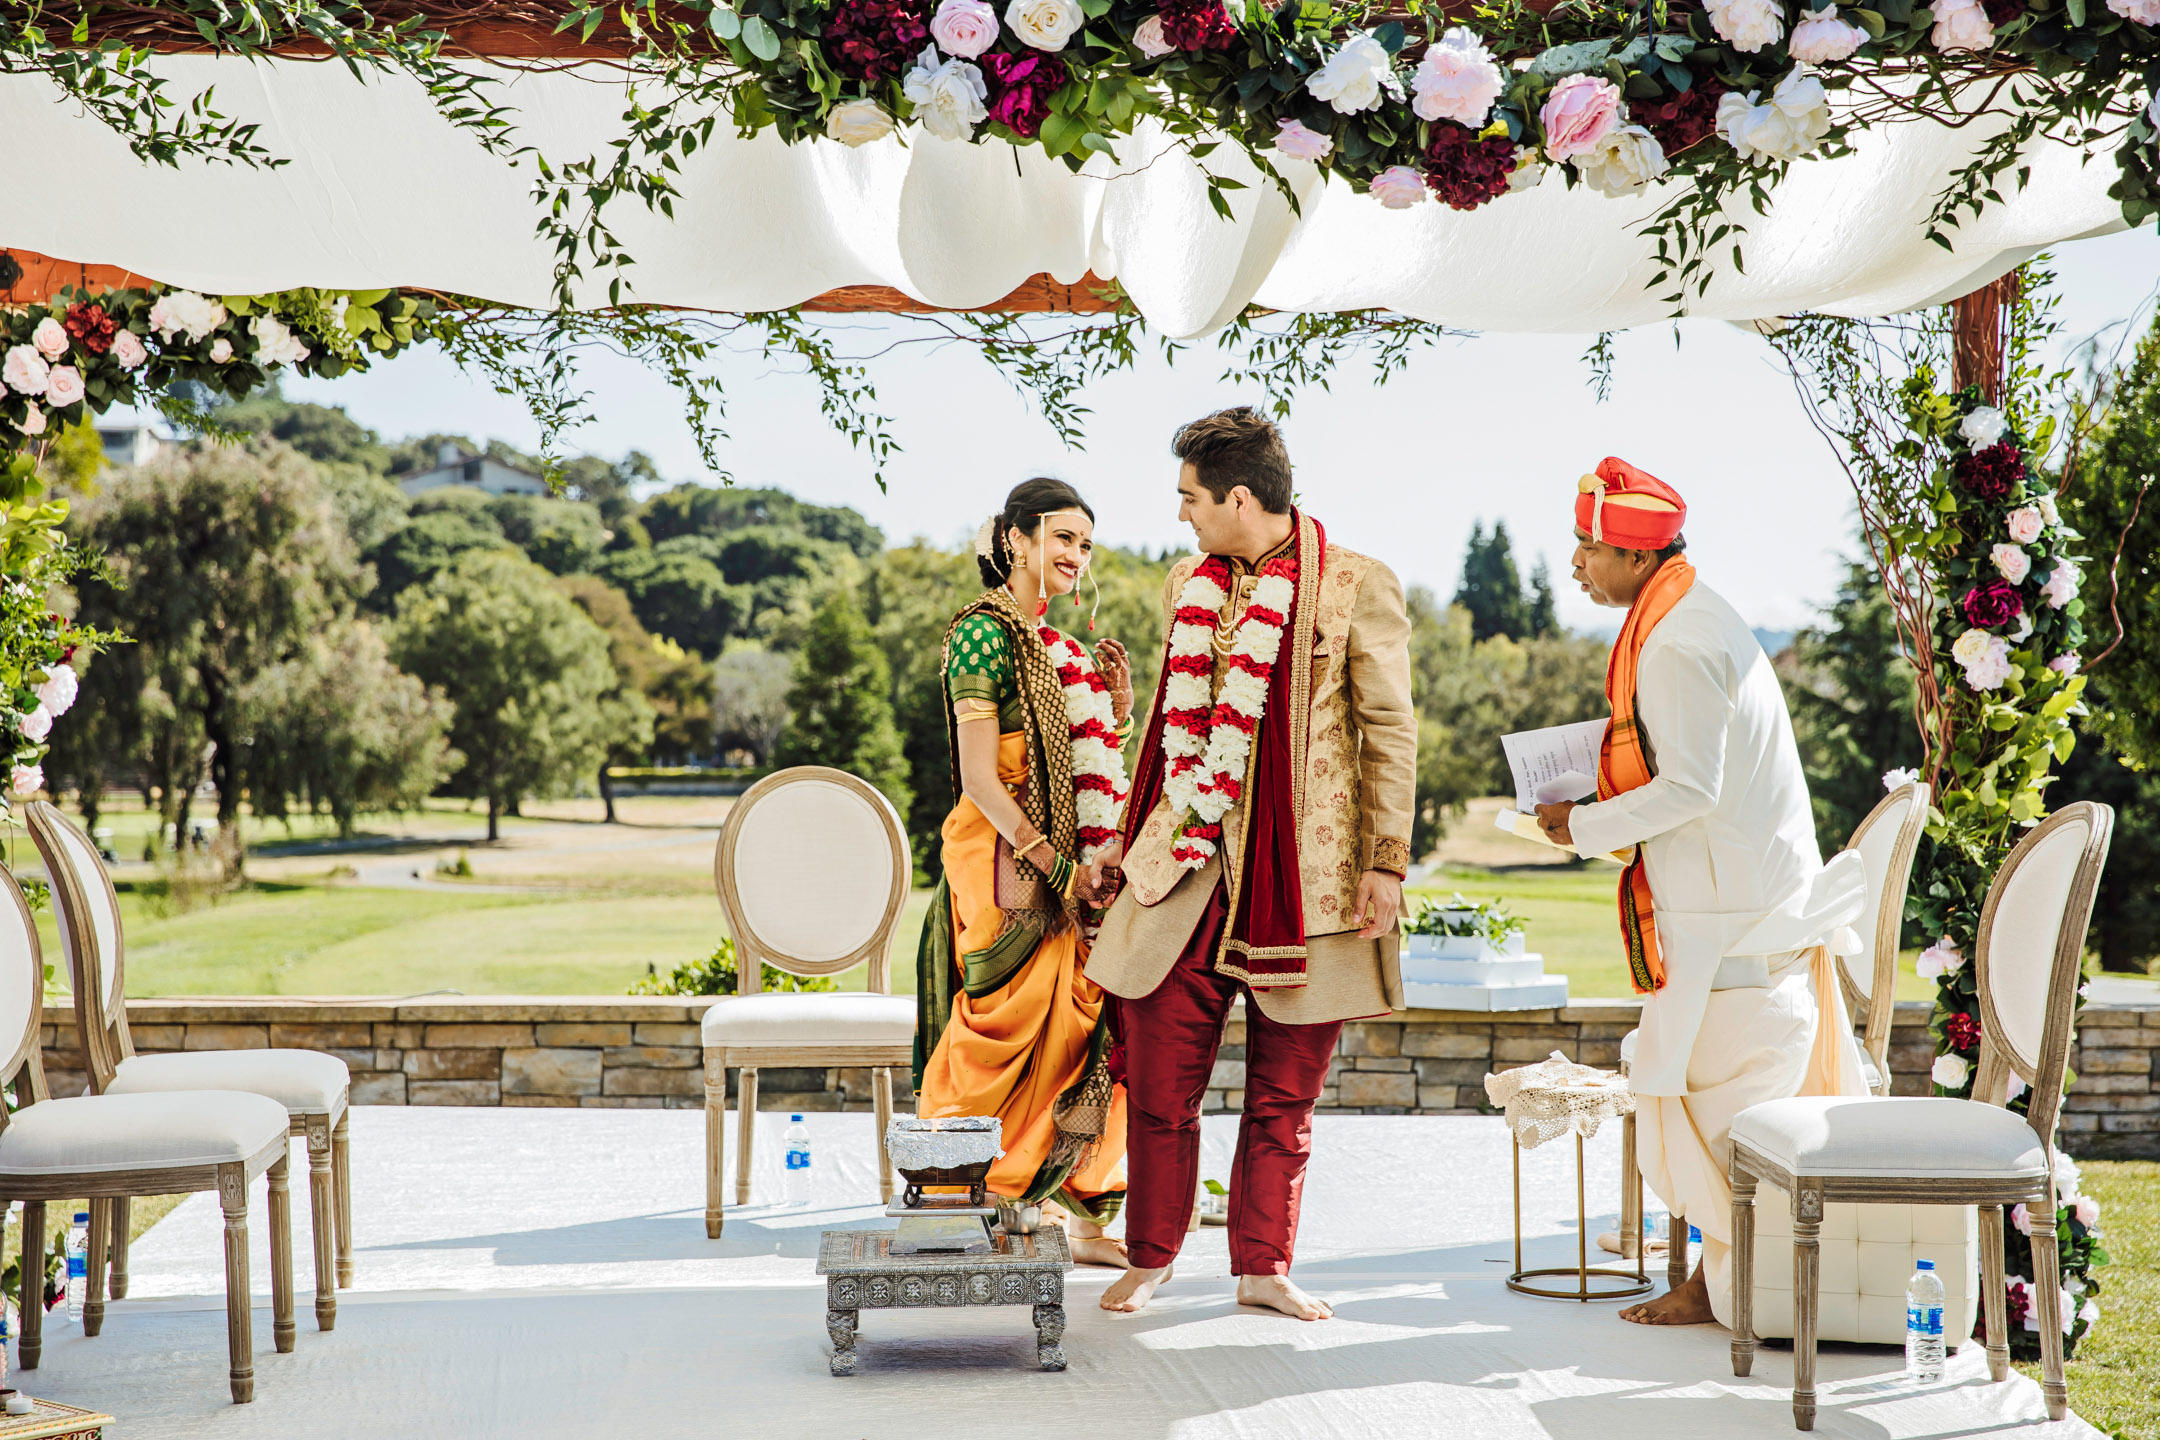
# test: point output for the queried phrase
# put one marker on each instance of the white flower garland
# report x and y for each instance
(1208, 730)
(1098, 764)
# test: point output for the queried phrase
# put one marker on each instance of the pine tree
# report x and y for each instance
(1852, 706)
(1491, 587)
(1544, 615)
(840, 711)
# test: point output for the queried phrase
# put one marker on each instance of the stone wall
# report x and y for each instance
(637, 1051)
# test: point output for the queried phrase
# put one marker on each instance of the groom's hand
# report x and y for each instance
(1379, 901)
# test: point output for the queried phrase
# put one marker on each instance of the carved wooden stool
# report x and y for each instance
(861, 1274)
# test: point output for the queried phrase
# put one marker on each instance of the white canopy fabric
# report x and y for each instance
(382, 192)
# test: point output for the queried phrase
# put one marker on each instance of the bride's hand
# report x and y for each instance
(1115, 667)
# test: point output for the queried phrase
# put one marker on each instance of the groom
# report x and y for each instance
(1264, 850)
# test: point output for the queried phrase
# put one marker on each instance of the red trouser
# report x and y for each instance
(1170, 1039)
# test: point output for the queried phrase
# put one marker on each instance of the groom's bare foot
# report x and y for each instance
(1099, 1250)
(1130, 1292)
(1275, 1292)
(1688, 1305)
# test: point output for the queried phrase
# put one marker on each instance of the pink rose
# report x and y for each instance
(1581, 111)
(1398, 187)
(2088, 1211)
(2025, 524)
(1298, 142)
(65, 387)
(33, 422)
(2143, 12)
(2062, 584)
(27, 780)
(1148, 38)
(964, 28)
(2064, 664)
(2014, 563)
(221, 350)
(1823, 39)
(51, 338)
(25, 371)
(128, 351)
(36, 725)
(1961, 25)
(2021, 1219)
(1459, 80)
(59, 689)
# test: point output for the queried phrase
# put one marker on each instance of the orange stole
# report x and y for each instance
(1622, 766)
(1013, 1052)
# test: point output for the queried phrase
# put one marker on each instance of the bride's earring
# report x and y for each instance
(1042, 578)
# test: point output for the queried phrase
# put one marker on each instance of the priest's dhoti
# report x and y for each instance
(1756, 1044)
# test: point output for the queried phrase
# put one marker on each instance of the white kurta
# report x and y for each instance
(1728, 842)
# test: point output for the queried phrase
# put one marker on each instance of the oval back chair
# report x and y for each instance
(812, 869)
(1887, 841)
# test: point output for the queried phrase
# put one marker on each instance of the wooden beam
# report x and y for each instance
(1979, 334)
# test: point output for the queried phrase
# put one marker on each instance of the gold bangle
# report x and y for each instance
(965, 716)
(1021, 853)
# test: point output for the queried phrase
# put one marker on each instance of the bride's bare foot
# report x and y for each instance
(1099, 1250)
(1275, 1292)
(1130, 1292)
(1688, 1305)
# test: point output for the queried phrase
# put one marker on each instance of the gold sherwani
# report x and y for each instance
(1353, 789)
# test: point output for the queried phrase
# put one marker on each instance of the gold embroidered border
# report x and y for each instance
(1390, 854)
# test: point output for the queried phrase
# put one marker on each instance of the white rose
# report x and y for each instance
(1300, 141)
(1822, 38)
(857, 122)
(33, 419)
(1355, 75)
(1789, 125)
(51, 338)
(1398, 187)
(948, 97)
(1951, 1071)
(220, 350)
(274, 343)
(183, 311)
(1044, 24)
(2061, 586)
(1624, 162)
(25, 370)
(1983, 427)
(1457, 80)
(36, 725)
(1748, 25)
(1148, 39)
(1529, 171)
(2048, 512)
(1961, 25)
(2013, 563)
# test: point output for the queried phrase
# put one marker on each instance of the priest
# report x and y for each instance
(1728, 916)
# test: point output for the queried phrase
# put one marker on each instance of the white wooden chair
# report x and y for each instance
(313, 1087)
(1940, 1151)
(812, 869)
(107, 1147)
(1887, 841)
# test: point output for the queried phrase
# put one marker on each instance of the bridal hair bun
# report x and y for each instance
(986, 537)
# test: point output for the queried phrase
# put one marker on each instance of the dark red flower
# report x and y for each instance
(2018, 1302)
(1995, 603)
(1992, 473)
(1465, 171)
(91, 327)
(2002, 12)
(875, 40)
(1683, 120)
(1197, 24)
(1962, 1031)
(1021, 87)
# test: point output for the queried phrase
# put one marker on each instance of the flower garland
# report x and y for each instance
(1208, 733)
(1098, 763)
(38, 646)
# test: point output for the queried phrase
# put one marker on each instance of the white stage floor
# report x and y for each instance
(539, 1273)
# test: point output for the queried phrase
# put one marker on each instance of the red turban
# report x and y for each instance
(1627, 507)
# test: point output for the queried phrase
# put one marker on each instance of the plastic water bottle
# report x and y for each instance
(798, 1161)
(1924, 1325)
(78, 1264)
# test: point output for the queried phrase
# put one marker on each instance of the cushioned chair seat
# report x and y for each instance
(1897, 1137)
(305, 1082)
(817, 1019)
(97, 1133)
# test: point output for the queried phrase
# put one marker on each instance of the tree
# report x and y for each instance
(527, 671)
(913, 592)
(323, 433)
(750, 699)
(425, 547)
(2112, 490)
(679, 594)
(225, 562)
(341, 729)
(715, 510)
(1853, 699)
(609, 488)
(563, 537)
(1544, 615)
(629, 712)
(839, 711)
(1491, 588)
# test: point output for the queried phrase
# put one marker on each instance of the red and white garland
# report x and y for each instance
(1208, 733)
(1097, 762)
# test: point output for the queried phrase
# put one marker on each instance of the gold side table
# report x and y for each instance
(1545, 1101)
(1626, 1283)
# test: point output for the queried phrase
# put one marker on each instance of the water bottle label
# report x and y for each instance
(798, 1159)
(1924, 1320)
(78, 1267)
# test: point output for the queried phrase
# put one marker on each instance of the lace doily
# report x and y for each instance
(1557, 1097)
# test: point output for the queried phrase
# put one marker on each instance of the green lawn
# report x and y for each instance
(2115, 1379)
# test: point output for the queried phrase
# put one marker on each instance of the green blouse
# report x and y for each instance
(980, 665)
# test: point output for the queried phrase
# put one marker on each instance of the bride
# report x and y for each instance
(1007, 1023)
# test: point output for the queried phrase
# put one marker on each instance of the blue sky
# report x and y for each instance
(1492, 428)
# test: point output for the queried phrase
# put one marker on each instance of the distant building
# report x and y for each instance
(455, 466)
(130, 443)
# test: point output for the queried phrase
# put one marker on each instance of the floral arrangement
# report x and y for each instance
(1488, 920)
(1208, 730)
(38, 647)
(1098, 762)
(83, 353)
